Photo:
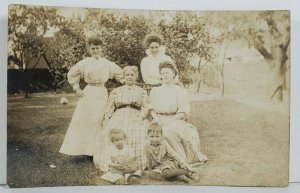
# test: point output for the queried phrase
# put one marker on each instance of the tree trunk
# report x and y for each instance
(276, 78)
(200, 78)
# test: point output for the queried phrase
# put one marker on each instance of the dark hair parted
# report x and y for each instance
(168, 64)
(95, 40)
(154, 127)
(153, 37)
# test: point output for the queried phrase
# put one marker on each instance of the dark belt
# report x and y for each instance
(166, 113)
(129, 106)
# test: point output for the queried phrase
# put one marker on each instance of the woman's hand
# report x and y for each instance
(80, 93)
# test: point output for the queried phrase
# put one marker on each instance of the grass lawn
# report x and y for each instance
(246, 146)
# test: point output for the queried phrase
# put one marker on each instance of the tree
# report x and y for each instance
(186, 36)
(27, 26)
(273, 43)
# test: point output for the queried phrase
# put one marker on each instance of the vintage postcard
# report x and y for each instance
(140, 97)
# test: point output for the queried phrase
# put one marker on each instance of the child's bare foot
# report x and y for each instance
(183, 178)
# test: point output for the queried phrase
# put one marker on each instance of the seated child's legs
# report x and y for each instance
(173, 173)
(155, 176)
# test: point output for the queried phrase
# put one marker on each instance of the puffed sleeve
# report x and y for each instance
(110, 106)
(75, 73)
(183, 102)
(145, 73)
(115, 72)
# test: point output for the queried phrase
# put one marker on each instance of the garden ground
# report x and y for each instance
(247, 145)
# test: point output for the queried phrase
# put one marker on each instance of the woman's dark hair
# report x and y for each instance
(168, 64)
(153, 37)
(94, 40)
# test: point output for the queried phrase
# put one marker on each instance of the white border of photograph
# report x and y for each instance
(292, 5)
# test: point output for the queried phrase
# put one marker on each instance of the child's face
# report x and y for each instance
(95, 50)
(119, 141)
(155, 137)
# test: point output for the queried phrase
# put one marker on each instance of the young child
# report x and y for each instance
(162, 159)
(123, 165)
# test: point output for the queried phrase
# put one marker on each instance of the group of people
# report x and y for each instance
(126, 131)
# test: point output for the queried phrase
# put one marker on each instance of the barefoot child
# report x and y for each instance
(162, 159)
(123, 165)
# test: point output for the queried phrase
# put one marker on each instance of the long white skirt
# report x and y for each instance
(86, 122)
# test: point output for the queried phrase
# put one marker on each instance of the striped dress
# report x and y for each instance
(125, 118)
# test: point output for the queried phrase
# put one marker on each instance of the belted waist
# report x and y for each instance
(129, 106)
(96, 84)
(166, 113)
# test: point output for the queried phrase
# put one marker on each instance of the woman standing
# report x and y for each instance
(126, 109)
(170, 108)
(155, 55)
(84, 127)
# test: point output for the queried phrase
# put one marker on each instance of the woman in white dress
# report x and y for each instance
(155, 55)
(170, 108)
(86, 122)
(126, 108)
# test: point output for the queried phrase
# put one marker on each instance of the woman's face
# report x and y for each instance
(167, 75)
(154, 47)
(130, 77)
(95, 50)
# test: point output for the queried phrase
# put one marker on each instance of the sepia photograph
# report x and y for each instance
(147, 97)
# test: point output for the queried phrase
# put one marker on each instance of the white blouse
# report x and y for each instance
(93, 71)
(169, 99)
(150, 68)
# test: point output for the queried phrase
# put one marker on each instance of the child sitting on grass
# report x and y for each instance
(123, 166)
(162, 159)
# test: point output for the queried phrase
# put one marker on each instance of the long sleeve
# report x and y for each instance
(183, 102)
(75, 74)
(146, 73)
(115, 72)
(110, 106)
(145, 104)
(152, 98)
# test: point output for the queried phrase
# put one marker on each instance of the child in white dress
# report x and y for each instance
(123, 165)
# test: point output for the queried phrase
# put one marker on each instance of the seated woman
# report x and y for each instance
(155, 55)
(170, 108)
(126, 109)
